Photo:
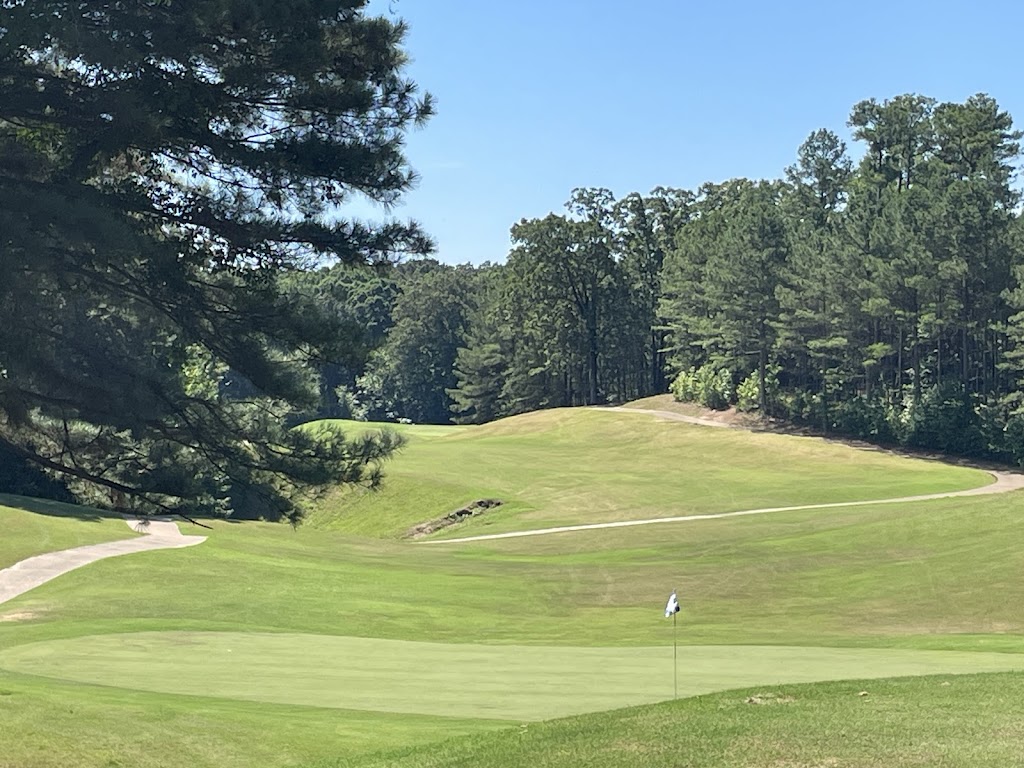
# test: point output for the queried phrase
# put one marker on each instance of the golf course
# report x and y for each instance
(816, 636)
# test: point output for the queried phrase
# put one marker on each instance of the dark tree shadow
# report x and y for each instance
(58, 508)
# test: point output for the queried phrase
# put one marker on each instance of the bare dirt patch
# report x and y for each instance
(768, 698)
(473, 509)
(729, 417)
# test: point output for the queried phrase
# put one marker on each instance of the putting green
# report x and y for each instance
(479, 681)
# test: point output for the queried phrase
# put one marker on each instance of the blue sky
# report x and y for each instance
(536, 98)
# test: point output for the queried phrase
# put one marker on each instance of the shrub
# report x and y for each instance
(684, 386)
(944, 419)
(1013, 437)
(864, 418)
(748, 392)
(711, 387)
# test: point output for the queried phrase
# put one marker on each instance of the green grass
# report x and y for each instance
(940, 575)
(503, 682)
(973, 721)
(437, 639)
(573, 466)
(51, 724)
(34, 526)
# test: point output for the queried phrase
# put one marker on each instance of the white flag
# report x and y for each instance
(672, 606)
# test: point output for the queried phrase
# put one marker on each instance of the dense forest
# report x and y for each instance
(880, 298)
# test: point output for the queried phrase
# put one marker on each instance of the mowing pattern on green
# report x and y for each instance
(500, 682)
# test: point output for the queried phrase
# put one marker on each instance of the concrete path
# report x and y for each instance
(28, 574)
(1004, 482)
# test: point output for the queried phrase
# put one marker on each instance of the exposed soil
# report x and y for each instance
(768, 698)
(473, 509)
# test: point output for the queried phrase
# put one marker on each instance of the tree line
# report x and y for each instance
(180, 286)
(880, 298)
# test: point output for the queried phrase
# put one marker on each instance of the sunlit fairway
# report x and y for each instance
(274, 646)
(572, 466)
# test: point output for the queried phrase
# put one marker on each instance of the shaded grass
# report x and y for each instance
(969, 722)
(571, 466)
(35, 526)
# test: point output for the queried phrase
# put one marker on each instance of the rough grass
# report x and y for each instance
(572, 466)
(972, 721)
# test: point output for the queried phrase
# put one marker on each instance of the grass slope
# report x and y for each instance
(570, 466)
(34, 526)
(974, 721)
(50, 724)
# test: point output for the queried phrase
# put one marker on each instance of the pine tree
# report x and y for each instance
(162, 165)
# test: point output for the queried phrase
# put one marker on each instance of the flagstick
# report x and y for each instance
(675, 664)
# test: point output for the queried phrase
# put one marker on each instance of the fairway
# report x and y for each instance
(583, 466)
(469, 681)
(312, 646)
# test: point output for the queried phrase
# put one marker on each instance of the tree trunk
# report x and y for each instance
(762, 365)
(592, 350)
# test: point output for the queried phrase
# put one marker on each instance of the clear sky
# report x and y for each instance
(535, 98)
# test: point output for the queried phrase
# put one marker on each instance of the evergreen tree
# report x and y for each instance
(162, 165)
(817, 305)
(482, 362)
(413, 372)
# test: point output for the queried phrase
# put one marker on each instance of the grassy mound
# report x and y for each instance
(964, 722)
(572, 466)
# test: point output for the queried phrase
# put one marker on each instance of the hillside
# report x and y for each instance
(572, 466)
(299, 647)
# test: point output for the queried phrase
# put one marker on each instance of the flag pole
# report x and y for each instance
(675, 663)
(672, 607)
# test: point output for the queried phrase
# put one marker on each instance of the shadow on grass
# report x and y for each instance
(57, 508)
(95, 514)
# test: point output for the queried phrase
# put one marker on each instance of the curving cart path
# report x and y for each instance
(1004, 483)
(28, 574)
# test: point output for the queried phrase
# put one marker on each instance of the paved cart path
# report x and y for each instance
(33, 571)
(1004, 482)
